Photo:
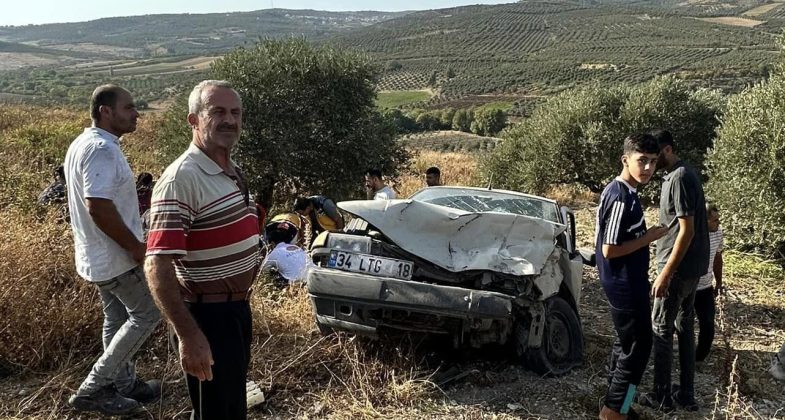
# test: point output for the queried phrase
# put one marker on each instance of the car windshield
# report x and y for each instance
(480, 201)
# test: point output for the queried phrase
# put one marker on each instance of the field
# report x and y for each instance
(762, 10)
(449, 141)
(50, 322)
(536, 48)
(734, 21)
(149, 79)
(464, 56)
(397, 98)
(190, 33)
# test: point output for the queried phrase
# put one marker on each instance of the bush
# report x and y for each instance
(428, 121)
(462, 120)
(747, 169)
(309, 121)
(488, 121)
(577, 136)
(402, 123)
(173, 134)
(446, 117)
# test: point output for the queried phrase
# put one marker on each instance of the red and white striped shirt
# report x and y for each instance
(205, 217)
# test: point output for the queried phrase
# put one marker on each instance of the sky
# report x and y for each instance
(23, 12)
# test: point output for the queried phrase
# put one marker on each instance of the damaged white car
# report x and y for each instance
(479, 266)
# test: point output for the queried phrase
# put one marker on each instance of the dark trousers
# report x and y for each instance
(629, 356)
(676, 310)
(704, 311)
(227, 327)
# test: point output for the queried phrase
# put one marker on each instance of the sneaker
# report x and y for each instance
(106, 401)
(777, 370)
(633, 415)
(651, 400)
(686, 403)
(144, 392)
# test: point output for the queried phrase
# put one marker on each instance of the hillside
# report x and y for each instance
(171, 34)
(518, 53)
(155, 56)
(543, 46)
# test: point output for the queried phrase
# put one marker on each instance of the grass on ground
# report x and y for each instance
(396, 98)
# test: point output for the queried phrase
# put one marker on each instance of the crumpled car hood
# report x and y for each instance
(458, 240)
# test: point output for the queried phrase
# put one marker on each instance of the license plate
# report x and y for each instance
(371, 264)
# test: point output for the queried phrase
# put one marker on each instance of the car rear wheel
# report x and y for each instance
(562, 340)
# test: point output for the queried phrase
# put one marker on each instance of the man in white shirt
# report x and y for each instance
(375, 184)
(290, 261)
(109, 248)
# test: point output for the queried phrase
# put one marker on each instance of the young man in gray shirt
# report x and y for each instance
(682, 258)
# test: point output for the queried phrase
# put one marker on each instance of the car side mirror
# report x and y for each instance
(588, 257)
(568, 218)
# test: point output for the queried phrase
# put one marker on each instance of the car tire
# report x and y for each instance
(562, 340)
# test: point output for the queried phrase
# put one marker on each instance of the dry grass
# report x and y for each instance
(456, 169)
(307, 373)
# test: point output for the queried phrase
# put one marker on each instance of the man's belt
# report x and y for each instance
(218, 297)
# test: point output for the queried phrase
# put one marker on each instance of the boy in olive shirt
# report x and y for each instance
(682, 258)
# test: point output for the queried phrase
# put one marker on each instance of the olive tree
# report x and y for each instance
(746, 168)
(309, 119)
(576, 137)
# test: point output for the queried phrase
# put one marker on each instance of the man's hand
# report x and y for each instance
(196, 357)
(655, 232)
(660, 288)
(719, 290)
(137, 253)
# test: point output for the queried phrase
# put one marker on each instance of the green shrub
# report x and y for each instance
(402, 123)
(488, 121)
(428, 121)
(747, 168)
(462, 120)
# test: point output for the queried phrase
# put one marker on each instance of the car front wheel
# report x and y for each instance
(562, 340)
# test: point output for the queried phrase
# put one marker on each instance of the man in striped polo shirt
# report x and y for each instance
(203, 254)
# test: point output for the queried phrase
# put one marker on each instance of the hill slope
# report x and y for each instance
(191, 33)
(541, 46)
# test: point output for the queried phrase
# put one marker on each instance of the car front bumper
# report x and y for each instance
(363, 304)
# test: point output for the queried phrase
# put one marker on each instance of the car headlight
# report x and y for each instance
(354, 243)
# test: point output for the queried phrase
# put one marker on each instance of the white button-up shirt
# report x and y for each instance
(95, 167)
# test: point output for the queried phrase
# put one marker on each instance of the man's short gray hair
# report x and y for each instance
(195, 102)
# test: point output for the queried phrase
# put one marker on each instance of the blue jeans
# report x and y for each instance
(676, 310)
(130, 316)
